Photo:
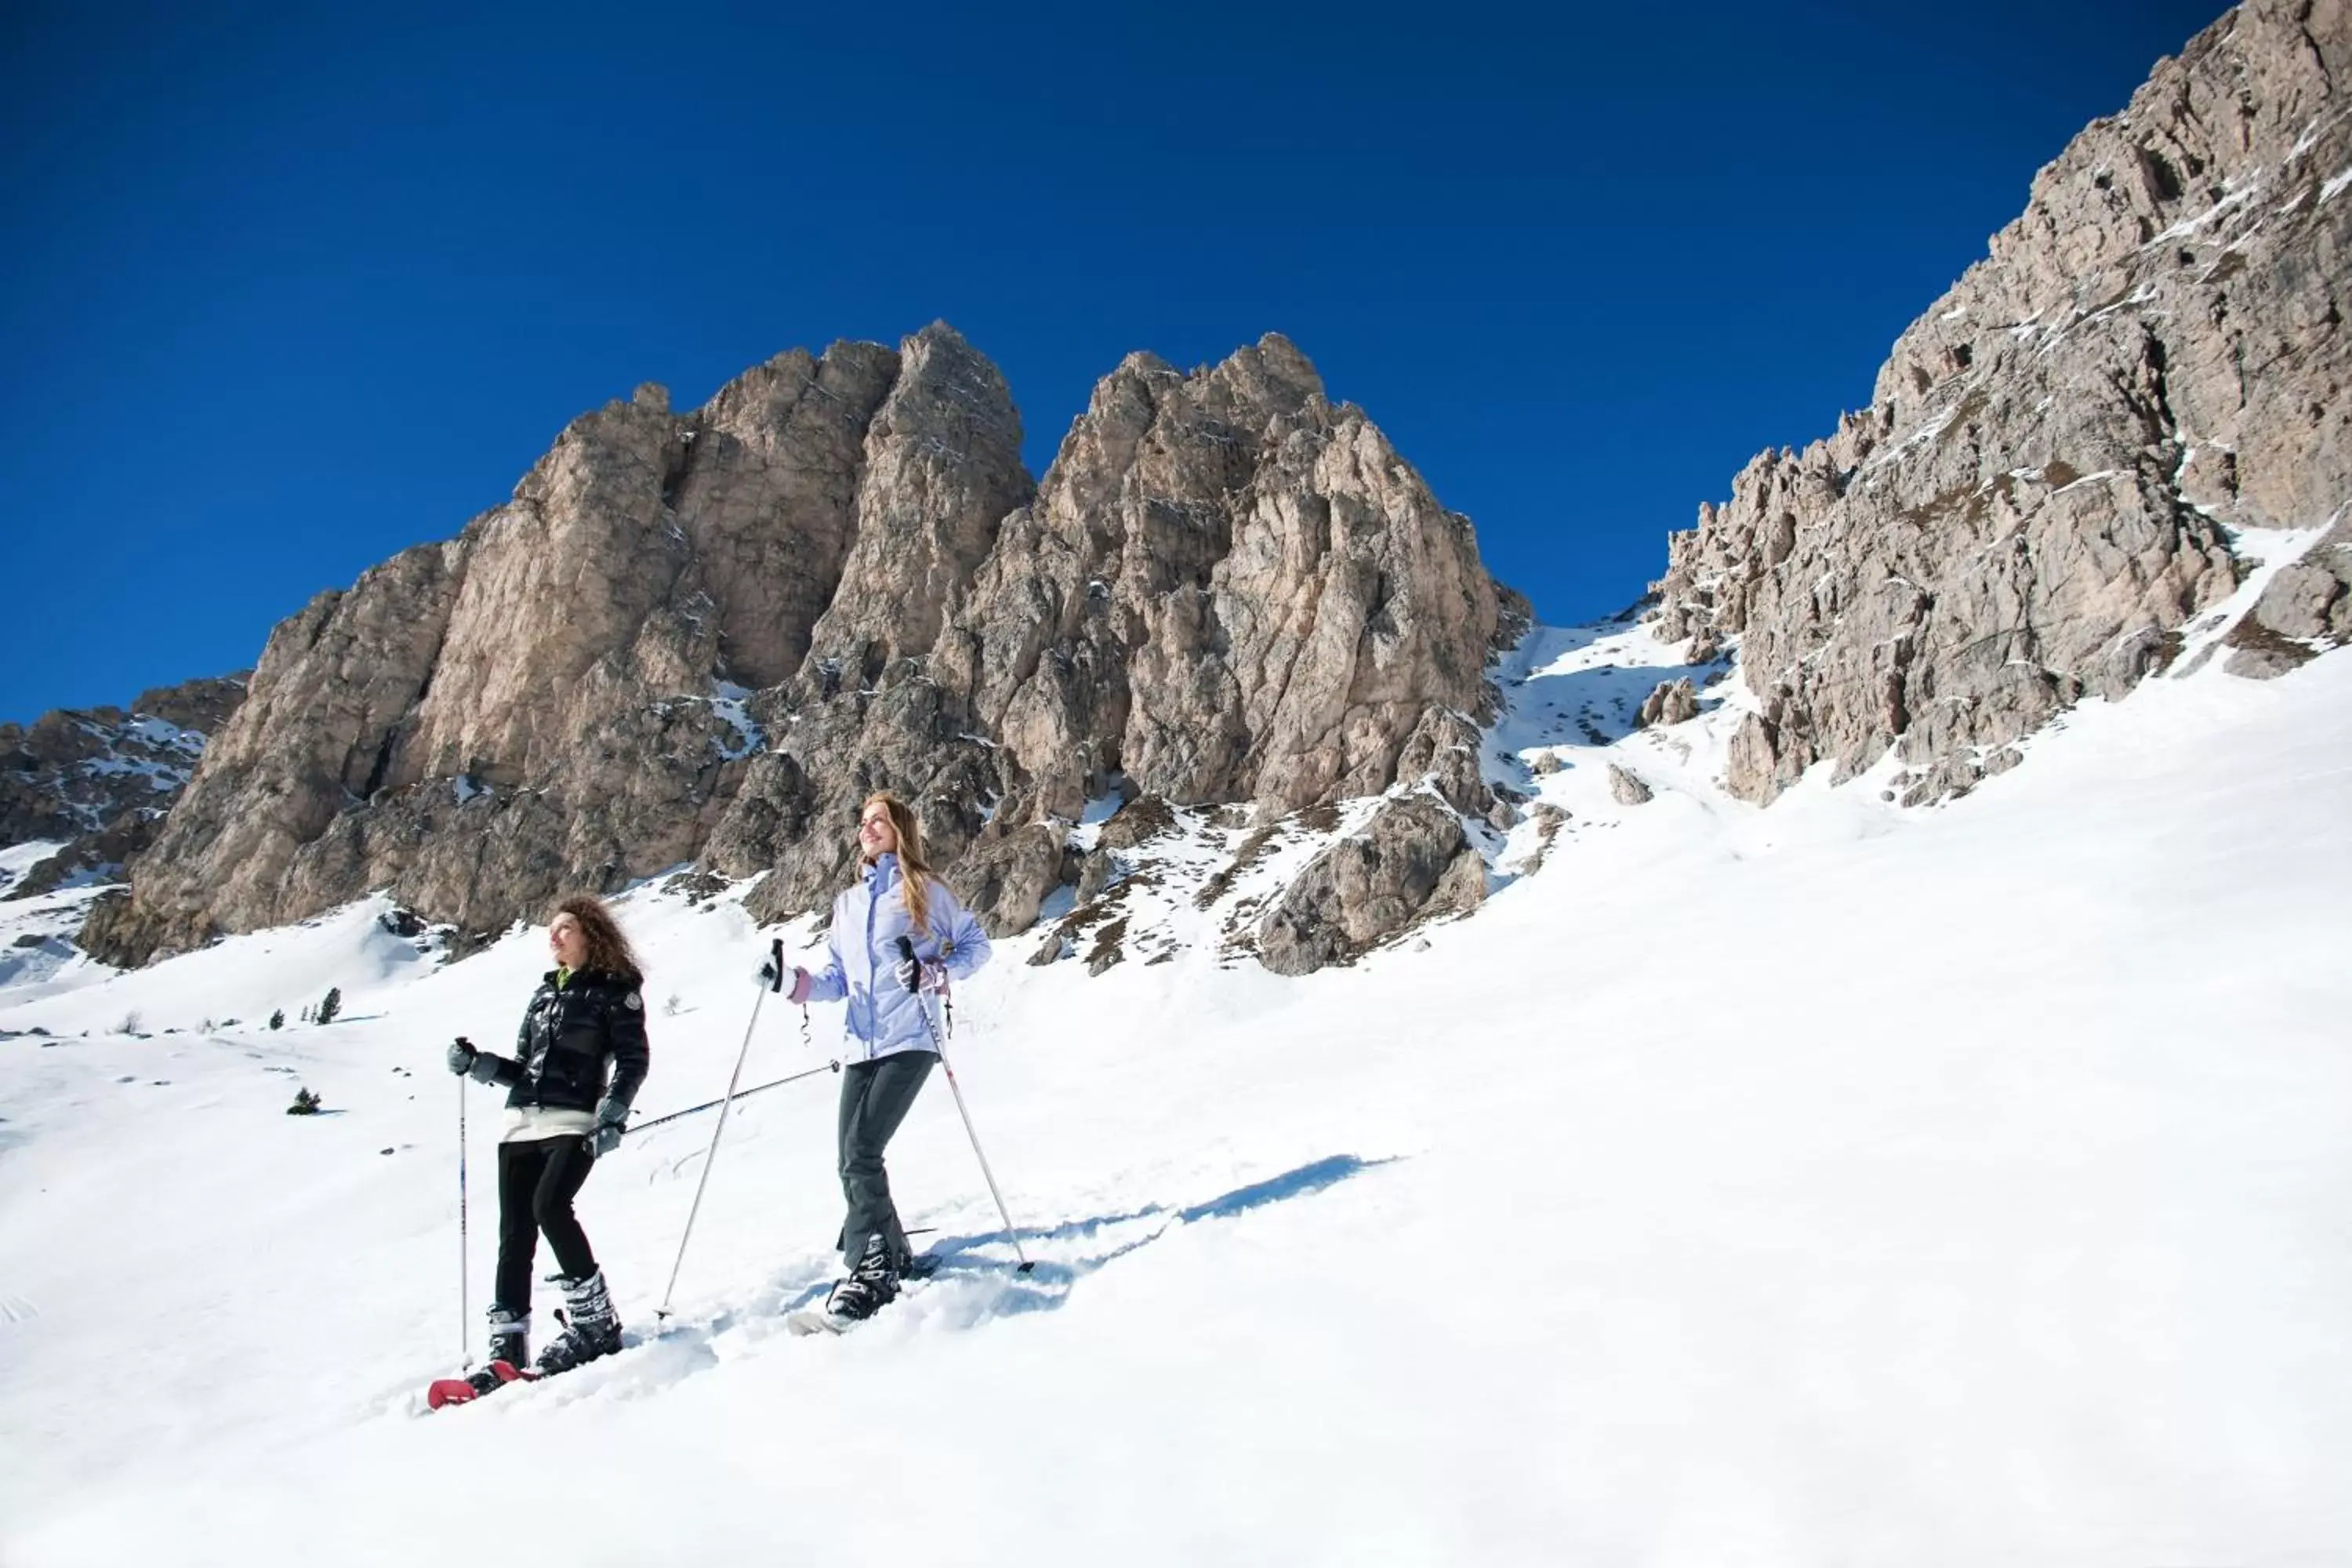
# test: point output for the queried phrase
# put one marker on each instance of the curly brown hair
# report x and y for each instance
(608, 949)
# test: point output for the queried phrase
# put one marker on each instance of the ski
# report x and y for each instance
(462, 1390)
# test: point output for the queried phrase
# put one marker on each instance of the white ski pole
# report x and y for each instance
(465, 1296)
(776, 953)
(906, 950)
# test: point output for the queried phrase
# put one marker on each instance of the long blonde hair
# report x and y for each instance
(915, 872)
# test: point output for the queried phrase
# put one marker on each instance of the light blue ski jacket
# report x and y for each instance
(868, 918)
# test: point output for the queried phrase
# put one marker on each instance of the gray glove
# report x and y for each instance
(612, 1120)
(480, 1065)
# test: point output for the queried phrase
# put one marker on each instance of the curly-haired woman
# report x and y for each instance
(580, 1059)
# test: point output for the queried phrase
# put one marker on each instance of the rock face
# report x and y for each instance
(707, 636)
(2307, 607)
(1413, 863)
(1228, 589)
(101, 780)
(2045, 488)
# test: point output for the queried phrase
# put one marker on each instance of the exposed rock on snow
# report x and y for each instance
(1626, 786)
(1548, 821)
(1672, 703)
(1411, 864)
(2038, 498)
(2306, 607)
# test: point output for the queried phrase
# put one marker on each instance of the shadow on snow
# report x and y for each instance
(1092, 1242)
(976, 1281)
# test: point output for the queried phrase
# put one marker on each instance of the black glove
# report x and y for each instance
(912, 972)
(612, 1120)
(771, 969)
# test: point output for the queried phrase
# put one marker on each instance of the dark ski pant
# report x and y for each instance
(537, 1181)
(875, 1098)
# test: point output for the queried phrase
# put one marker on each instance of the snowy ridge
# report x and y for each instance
(148, 748)
(1835, 1181)
(91, 786)
(141, 749)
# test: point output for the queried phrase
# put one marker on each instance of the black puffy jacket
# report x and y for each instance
(570, 1034)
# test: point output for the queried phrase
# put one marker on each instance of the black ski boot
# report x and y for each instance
(591, 1328)
(870, 1287)
(510, 1342)
(510, 1337)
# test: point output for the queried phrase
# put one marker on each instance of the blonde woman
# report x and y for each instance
(585, 1024)
(896, 899)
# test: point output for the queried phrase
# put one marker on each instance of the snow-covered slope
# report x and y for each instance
(36, 933)
(1834, 1183)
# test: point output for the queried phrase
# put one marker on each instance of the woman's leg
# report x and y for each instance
(855, 1079)
(566, 1165)
(874, 1098)
(593, 1328)
(519, 1171)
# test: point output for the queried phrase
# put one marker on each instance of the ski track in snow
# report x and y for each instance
(1835, 1183)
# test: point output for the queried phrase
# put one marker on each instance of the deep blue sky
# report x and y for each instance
(282, 295)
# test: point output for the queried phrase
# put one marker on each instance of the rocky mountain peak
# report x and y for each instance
(2083, 448)
(703, 637)
(941, 467)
